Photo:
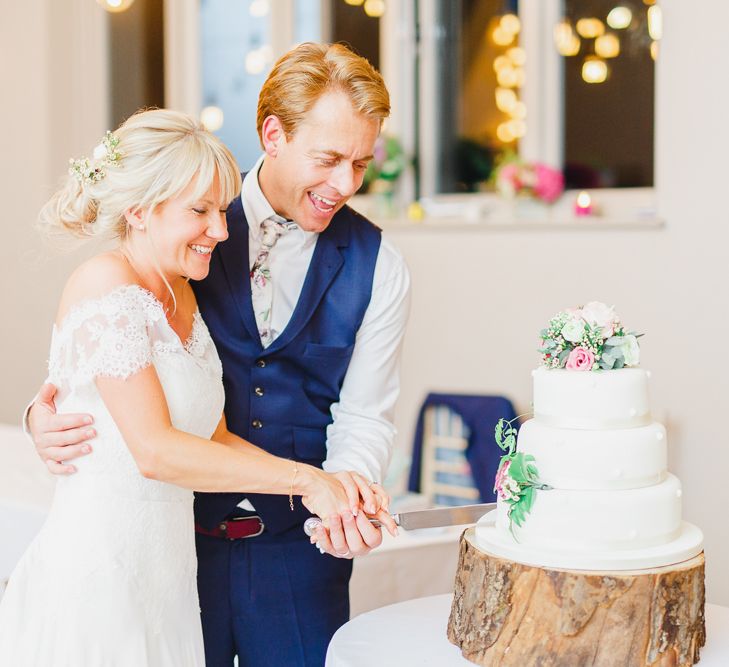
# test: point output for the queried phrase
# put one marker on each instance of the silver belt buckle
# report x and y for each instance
(247, 518)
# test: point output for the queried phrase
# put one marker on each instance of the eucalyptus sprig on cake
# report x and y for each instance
(588, 338)
(517, 477)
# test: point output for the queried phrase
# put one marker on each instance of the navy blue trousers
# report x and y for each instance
(274, 601)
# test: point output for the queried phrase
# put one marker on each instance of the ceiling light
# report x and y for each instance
(212, 118)
(590, 28)
(619, 18)
(594, 70)
(374, 8)
(510, 23)
(607, 46)
(115, 6)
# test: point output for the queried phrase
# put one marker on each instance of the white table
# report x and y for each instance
(413, 633)
(415, 564)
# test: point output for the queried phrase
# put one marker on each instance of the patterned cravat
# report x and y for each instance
(272, 229)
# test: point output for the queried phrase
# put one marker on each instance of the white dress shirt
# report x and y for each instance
(361, 436)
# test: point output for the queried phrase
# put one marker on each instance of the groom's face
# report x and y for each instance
(309, 175)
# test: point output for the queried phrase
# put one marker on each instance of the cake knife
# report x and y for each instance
(432, 518)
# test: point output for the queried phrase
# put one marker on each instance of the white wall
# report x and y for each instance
(54, 107)
(480, 297)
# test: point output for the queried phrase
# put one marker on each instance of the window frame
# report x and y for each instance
(408, 66)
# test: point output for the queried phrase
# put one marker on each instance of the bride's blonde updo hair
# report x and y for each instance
(160, 152)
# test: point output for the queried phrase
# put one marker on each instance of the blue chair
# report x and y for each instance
(455, 456)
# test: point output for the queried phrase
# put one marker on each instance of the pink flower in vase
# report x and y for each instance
(508, 181)
(580, 359)
(549, 183)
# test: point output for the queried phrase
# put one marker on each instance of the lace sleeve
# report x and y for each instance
(108, 336)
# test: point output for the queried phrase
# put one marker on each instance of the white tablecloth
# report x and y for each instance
(413, 633)
(415, 564)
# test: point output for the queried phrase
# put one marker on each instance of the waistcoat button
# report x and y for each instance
(261, 363)
(258, 391)
(256, 423)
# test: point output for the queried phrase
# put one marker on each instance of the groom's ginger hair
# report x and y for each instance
(301, 76)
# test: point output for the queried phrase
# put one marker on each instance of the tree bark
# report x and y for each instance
(509, 614)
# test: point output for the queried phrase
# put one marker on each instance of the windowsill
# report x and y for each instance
(592, 223)
(614, 209)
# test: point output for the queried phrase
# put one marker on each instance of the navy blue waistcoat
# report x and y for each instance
(279, 398)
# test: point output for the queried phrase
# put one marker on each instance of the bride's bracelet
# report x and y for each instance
(291, 488)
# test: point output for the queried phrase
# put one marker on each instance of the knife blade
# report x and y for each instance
(430, 518)
(442, 516)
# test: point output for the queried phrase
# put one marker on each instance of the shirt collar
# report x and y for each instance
(257, 208)
(255, 204)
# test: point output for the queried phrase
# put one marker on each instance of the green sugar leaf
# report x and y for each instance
(528, 499)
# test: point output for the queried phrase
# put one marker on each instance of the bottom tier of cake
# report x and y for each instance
(686, 543)
(511, 614)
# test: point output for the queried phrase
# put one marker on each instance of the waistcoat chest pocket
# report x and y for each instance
(327, 351)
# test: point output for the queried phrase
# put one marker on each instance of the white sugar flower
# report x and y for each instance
(598, 314)
(631, 351)
(573, 330)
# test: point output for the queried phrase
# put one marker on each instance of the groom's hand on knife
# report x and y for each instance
(349, 536)
(58, 438)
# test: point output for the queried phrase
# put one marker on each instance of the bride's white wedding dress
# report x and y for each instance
(111, 577)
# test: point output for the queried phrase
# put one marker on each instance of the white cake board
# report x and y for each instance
(688, 544)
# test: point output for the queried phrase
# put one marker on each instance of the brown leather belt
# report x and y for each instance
(236, 528)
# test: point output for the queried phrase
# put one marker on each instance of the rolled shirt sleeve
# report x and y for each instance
(362, 434)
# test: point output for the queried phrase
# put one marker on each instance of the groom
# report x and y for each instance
(310, 346)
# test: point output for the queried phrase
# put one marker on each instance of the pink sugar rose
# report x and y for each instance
(501, 476)
(580, 359)
(549, 182)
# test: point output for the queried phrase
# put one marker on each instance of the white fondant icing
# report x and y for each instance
(585, 520)
(591, 399)
(687, 544)
(608, 459)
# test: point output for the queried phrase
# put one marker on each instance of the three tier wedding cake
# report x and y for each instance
(587, 546)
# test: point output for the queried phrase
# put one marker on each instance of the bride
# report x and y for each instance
(110, 579)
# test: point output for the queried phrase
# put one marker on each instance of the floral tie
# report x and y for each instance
(272, 229)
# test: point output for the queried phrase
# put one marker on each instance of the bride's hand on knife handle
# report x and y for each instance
(328, 496)
(350, 533)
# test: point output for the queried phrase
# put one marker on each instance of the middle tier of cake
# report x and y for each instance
(567, 458)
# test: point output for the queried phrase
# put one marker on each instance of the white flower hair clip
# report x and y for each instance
(105, 154)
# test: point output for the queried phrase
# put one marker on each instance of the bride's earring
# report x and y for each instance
(140, 227)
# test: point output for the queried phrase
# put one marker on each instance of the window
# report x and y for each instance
(487, 91)
(453, 110)
(238, 48)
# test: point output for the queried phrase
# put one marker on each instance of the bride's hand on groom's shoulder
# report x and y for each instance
(58, 438)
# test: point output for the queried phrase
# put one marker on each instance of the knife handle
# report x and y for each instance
(313, 522)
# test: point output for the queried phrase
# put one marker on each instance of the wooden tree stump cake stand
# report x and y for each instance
(508, 614)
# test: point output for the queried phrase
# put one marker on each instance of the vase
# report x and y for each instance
(385, 204)
(528, 209)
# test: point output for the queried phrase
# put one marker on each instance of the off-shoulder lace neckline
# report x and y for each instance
(75, 312)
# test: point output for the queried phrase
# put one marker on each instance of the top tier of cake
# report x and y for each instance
(591, 400)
